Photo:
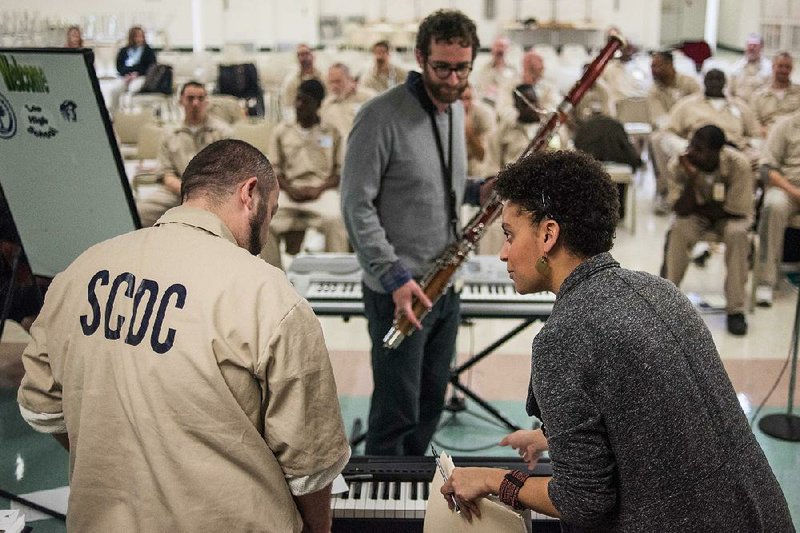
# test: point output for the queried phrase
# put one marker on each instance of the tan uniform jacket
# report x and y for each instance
(306, 157)
(511, 139)
(489, 81)
(782, 149)
(292, 82)
(595, 100)
(380, 81)
(547, 96)
(735, 118)
(193, 380)
(481, 117)
(747, 77)
(731, 183)
(769, 104)
(181, 145)
(340, 112)
(623, 80)
(661, 98)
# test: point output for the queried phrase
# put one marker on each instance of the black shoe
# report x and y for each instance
(737, 325)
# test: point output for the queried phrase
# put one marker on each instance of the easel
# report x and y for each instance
(455, 375)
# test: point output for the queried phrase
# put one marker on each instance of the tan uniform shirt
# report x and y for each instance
(193, 381)
(595, 100)
(769, 104)
(512, 138)
(747, 77)
(177, 149)
(623, 80)
(661, 98)
(547, 96)
(782, 149)
(341, 111)
(731, 184)
(182, 144)
(292, 82)
(381, 81)
(306, 157)
(734, 117)
(488, 81)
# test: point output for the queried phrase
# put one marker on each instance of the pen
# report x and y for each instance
(444, 477)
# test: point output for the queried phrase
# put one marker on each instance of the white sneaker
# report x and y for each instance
(764, 296)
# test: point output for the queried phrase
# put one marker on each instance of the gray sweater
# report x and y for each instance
(644, 427)
(394, 202)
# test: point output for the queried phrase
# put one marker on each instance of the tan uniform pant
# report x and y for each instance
(775, 213)
(684, 234)
(663, 146)
(157, 202)
(322, 214)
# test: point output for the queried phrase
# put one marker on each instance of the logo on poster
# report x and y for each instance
(8, 120)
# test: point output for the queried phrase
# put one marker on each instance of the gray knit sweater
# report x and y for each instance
(394, 202)
(644, 427)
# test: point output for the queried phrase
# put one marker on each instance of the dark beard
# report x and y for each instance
(254, 243)
(436, 89)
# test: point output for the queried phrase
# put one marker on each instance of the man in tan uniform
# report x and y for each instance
(750, 72)
(711, 189)
(307, 156)
(669, 86)
(623, 79)
(532, 74)
(478, 124)
(307, 71)
(511, 138)
(189, 381)
(383, 75)
(778, 98)
(730, 114)
(496, 75)
(178, 148)
(780, 161)
(340, 106)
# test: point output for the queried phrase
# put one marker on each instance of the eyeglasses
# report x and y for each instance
(443, 70)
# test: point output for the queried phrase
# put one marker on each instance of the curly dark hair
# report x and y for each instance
(571, 188)
(447, 25)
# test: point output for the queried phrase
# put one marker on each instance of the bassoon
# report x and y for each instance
(438, 278)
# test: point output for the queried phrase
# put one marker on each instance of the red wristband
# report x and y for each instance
(510, 486)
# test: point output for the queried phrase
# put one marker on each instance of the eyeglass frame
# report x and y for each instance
(467, 67)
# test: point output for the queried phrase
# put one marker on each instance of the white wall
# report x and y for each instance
(286, 22)
(737, 19)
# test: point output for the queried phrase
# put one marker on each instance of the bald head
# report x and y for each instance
(532, 67)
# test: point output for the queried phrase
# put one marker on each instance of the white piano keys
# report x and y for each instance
(350, 502)
(405, 501)
(362, 508)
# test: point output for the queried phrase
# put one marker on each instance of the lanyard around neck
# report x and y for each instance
(447, 165)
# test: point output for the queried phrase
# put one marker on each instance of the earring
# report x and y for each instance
(543, 266)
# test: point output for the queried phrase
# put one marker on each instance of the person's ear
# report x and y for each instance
(247, 192)
(420, 58)
(551, 231)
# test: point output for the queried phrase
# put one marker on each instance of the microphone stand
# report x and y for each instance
(786, 426)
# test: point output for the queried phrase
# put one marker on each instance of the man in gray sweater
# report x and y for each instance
(403, 183)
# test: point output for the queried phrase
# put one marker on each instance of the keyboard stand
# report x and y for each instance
(456, 373)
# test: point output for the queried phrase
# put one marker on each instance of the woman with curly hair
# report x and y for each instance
(643, 425)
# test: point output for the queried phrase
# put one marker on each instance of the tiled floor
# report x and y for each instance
(31, 462)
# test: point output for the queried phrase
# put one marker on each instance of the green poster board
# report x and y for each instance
(60, 167)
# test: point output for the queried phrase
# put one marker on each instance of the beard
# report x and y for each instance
(257, 221)
(441, 91)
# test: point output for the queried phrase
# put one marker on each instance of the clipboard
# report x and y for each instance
(496, 517)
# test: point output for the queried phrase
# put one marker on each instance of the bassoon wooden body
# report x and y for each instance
(438, 278)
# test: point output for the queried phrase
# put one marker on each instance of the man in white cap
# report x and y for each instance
(752, 71)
